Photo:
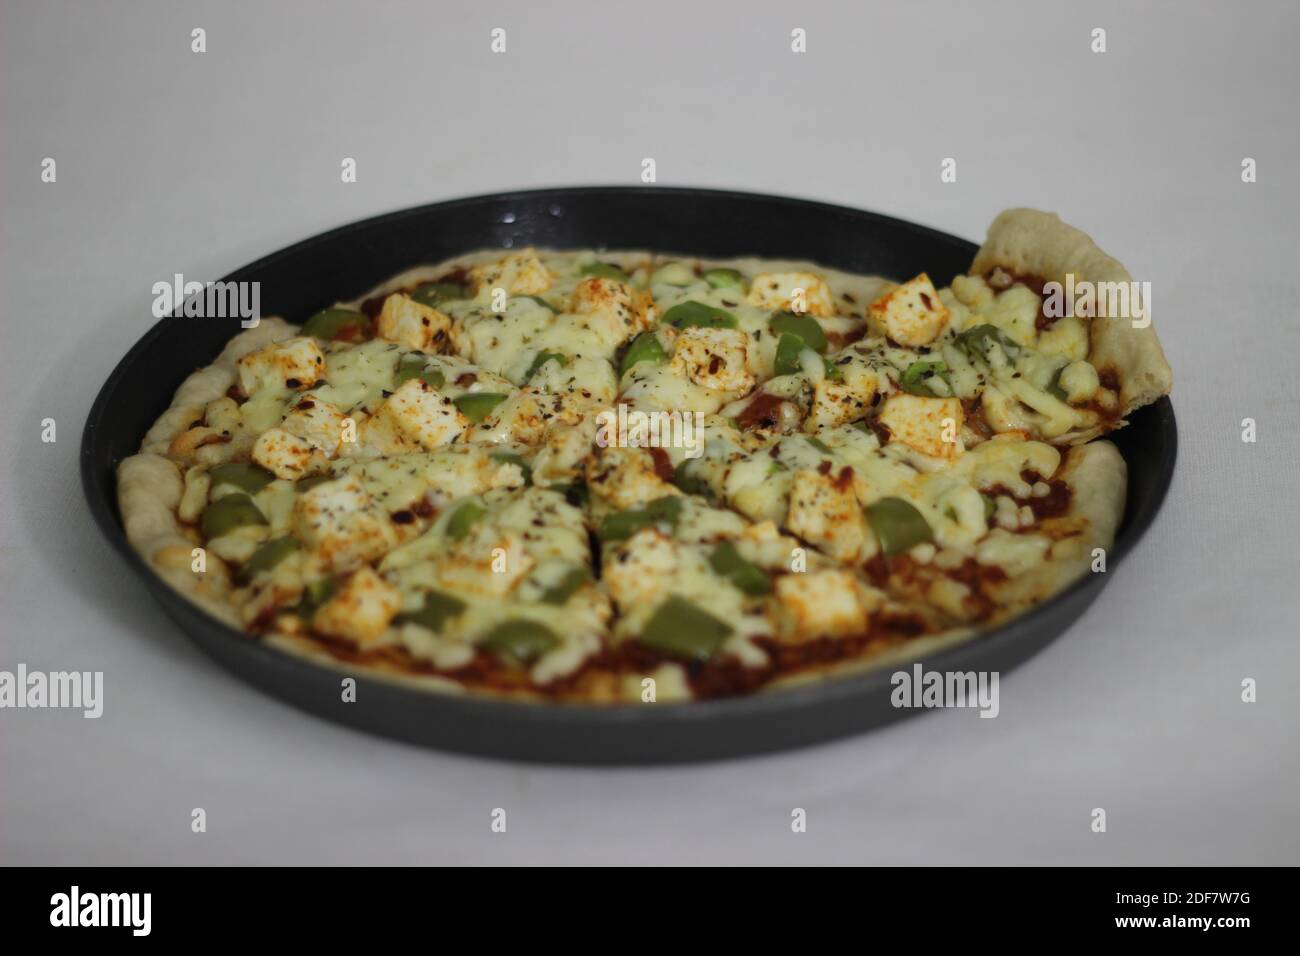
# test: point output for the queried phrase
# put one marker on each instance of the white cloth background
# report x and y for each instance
(169, 161)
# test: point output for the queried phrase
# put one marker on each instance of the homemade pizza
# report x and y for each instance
(558, 476)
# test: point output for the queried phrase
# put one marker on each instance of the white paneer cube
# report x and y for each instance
(560, 458)
(715, 358)
(824, 511)
(525, 417)
(294, 363)
(838, 402)
(423, 414)
(931, 426)
(639, 572)
(341, 525)
(803, 292)
(316, 421)
(626, 478)
(585, 382)
(284, 455)
(815, 604)
(912, 314)
(223, 414)
(361, 609)
(412, 324)
(519, 274)
(610, 309)
(601, 294)
(376, 436)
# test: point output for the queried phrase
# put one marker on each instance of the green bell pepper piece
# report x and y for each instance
(544, 357)
(977, 341)
(228, 513)
(1054, 386)
(413, 366)
(913, 379)
(434, 294)
(788, 349)
(477, 406)
(604, 270)
(623, 524)
(246, 477)
(437, 610)
(745, 575)
(337, 323)
(897, 525)
(724, 279)
(644, 348)
(666, 509)
(567, 586)
(464, 518)
(690, 314)
(314, 595)
(681, 629)
(520, 638)
(267, 557)
(690, 484)
(803, 326)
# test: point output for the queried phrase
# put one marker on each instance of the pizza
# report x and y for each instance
(553, 475)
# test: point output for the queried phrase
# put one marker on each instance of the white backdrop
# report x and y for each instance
(170, 161)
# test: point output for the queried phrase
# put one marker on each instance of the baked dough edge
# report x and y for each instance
(1032, 242)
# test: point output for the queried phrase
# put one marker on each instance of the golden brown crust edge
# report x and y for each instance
(1097, 477)
(149, 485)
(148, 491)
(1031, 242)
(210, 382)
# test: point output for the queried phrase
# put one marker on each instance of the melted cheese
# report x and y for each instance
(397, 511)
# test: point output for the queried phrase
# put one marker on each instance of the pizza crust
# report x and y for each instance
(1031, 242)
(210, 383)
(148, 492)
(310, 650)
(1097, 477)
(149, 485)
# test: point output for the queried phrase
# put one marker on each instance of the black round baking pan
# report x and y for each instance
(346, 262)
